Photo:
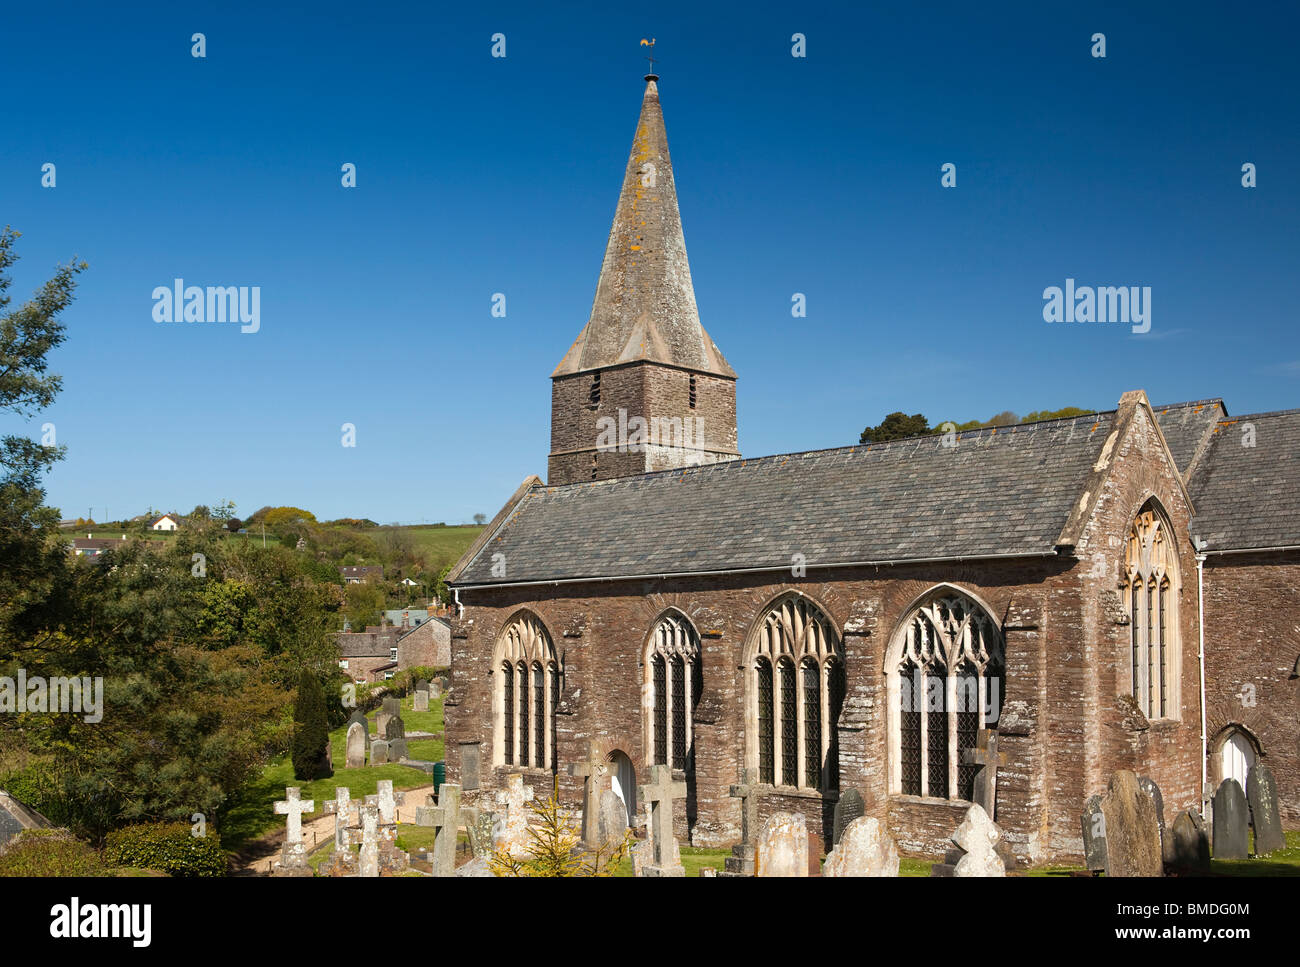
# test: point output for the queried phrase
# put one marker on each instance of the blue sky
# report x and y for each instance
(478, 175)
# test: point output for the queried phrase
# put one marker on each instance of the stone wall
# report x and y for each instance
(1251, 647)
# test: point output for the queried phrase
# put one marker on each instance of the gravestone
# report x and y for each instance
(378, 752)
(1187, 848)
(1132, 830)
(1151, 789)
(355, 756)
(293, 854)
(478, 866)
(1094, 836)
(1261, 793)
(592, 771)
(420, 701)
(445, 820)
(388, 802)
(849, 808)
(782, 846)
(611, 821)
(986, 755)
(469, 766)
(397, 750)
(343, 809)
(482, 827)
(748, 791)
(664, 855)
(390, 708)
(359, 717)
(395, 728)
(368, 861)
(978, 837)
(864, 848)
(1231, 840)
(422, 685)
(435, 689)
(514, 838)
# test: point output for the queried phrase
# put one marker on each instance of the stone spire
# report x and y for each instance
(644, 310)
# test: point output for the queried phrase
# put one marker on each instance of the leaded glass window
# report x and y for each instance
(679, 712)
(661, 709)
(674, 681)
(945, 682)
(525, 723)
(1150, 571)
(797, 689)
(766, 735)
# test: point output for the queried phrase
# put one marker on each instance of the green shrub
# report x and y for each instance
(49, 852)
(169, 847)
(310, 731)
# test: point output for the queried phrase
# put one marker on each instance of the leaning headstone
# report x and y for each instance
(355, 756)
(611, 822)
(395, 728)
(378, 752)
(359, 717)
(293, 854)
(1151, 789)
(1231, 840)
(1094, 836)
(420, 701)
(1261, 793)
(863, 848)
(782, 847)
(978, 837)
(1187, 848)
(849, 808)
(1132, 830)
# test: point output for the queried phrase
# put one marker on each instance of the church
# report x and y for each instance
(1113, 591)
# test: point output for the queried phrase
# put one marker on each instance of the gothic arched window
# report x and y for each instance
(945, 679)
(795, 686)
(526, 695)
(673, 687)
(1149, 589)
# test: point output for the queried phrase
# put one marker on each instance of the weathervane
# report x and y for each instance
(649, 43)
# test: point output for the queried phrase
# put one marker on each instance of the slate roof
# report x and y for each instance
(645, 309)
(1248, 497)
(999, 492)
(1188, 425)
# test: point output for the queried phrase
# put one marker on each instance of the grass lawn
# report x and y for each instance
(692, 860)
(1284, 862)
(443, 545)
(253, 815)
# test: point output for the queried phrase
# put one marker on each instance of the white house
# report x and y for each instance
(164, 523)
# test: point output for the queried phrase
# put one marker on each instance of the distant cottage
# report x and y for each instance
(359, 574)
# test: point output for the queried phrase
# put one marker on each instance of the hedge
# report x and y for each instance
(49, 852)
(169, 847)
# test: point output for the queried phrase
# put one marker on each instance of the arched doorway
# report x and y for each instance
(1236, 756)
(622, 779)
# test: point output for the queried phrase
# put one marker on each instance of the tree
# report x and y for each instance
(310, 730)
(224, 511)
(31, 559)
(234, 524)
(480, 519)
(554, 847)
(896, 426)
(1039, 415)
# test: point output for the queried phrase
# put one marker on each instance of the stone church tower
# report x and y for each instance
(643, 387)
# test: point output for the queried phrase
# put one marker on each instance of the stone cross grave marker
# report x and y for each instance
(978, 836)
(748, 791)
(515, 839)
(355, 755)
(1231, 839)
(294, 852)
(445, 819)
(658, 794)
(986, 754)
(593, 771)
(1261, 793)
(341, 807)
(369, 859)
